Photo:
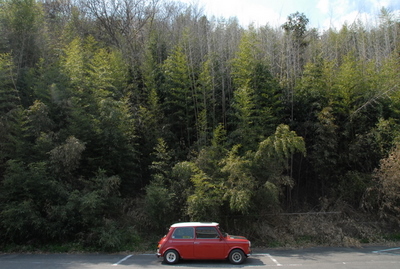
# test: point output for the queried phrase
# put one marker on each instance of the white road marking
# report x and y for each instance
(124, 259)
(385, 250)
(274, 260)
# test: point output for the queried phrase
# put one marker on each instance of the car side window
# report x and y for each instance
(206, 233)
(183, 233)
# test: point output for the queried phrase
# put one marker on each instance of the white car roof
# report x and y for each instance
(190, 224)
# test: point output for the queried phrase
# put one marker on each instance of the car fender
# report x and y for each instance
(170, 248)
(233, 248)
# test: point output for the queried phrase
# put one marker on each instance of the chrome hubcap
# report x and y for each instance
(236, 257)
(171, 257)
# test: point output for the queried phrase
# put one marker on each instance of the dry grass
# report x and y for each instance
(346, 228)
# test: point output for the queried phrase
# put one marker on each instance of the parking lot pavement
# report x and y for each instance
(310, 258)
(57, 261)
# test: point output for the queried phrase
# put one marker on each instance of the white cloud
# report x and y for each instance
(323, 6)
(338, 12)
(322, 14)
(378, 4)
(259, 15)
(247, 12)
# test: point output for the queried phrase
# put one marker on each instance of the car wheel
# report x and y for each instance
(236, 256)
(171, 257)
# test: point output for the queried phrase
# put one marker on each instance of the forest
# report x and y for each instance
(121, 117)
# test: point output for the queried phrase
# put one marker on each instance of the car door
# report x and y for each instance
(208, 244)
(182, 240)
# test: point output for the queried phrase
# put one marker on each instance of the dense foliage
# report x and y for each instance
(118, 118)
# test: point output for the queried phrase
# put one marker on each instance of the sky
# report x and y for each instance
(323, 14)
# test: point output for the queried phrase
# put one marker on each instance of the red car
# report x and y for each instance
(202, 240)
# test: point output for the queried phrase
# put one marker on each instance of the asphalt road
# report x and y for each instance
(313, 258)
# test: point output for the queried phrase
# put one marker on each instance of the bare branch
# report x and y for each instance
(375, 99)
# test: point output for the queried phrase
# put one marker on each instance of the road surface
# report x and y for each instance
(371, 257)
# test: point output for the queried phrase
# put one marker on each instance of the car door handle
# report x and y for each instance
(196, 243)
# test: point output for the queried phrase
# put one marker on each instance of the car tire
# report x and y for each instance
(237, 256)
(171, 256)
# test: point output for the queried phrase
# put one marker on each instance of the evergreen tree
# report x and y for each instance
(240, 182)
(23, 20)
(179, 101)
(89, 91)
(12, 116)
(257, 97)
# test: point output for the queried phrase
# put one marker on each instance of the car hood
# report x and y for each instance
(236, 237)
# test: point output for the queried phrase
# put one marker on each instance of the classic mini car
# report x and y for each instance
(202, 240)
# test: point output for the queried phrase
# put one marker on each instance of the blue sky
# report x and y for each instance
(322, 14)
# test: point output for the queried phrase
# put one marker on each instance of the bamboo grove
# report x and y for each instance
(118, 118)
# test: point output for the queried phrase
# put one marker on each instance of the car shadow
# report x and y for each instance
(251, 261)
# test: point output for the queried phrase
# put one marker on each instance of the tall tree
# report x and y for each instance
(257, 97)
(9, 107)
(293, 59)
(179, 99)
(23, 20)
(314, 121)
(273, 160)
(122, 23)
(99, 113)
(151, 119)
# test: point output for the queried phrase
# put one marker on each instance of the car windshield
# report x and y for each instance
(222, 231)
